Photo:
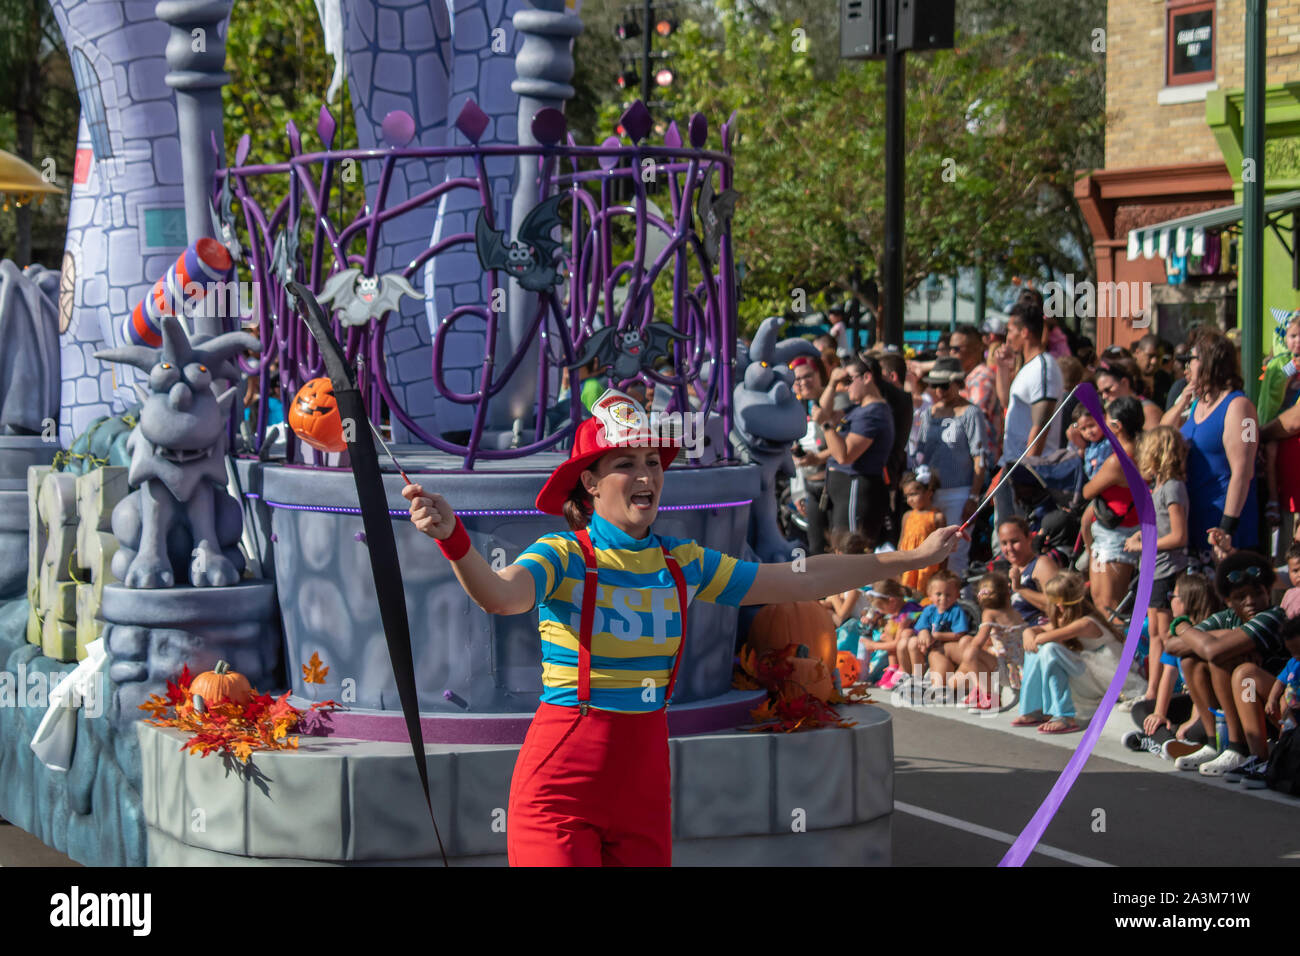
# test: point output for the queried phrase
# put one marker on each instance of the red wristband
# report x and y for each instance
(457, 544)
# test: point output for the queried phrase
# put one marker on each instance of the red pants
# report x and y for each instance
(591, 790)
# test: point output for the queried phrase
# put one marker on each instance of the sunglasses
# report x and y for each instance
(1253, 573)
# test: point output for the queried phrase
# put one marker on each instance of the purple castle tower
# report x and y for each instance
(126, 222)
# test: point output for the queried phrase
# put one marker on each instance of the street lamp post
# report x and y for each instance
(1252, 181)
(887, 29)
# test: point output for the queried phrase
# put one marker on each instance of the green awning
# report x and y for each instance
(1186, 234)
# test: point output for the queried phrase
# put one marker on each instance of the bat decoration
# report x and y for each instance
(530, 259)
(223, 223)
(715, 211)
(284, 258)
(359, 298)
(627, 352)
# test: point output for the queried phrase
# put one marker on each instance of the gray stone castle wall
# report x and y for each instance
(483, 74)
(126, 221)
(427, 59)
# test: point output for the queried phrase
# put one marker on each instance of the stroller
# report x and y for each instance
(1046, 483)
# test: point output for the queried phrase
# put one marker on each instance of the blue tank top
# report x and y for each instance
(1028, 611)
(1208, 473)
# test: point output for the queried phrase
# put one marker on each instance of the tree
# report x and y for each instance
(995, 132)
(280, 71)
(38, 120)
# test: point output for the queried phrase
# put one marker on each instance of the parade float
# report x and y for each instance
(212, 654)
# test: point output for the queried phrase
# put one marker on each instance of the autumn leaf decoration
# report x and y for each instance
(789, 706)
(313, 672)
(264, 723)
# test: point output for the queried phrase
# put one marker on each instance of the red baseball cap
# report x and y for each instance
(618, 421)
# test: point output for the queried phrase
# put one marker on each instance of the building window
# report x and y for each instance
(92, 103)
(1189, 42)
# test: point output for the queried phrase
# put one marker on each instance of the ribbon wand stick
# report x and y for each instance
(1008, 471)
(388, 451)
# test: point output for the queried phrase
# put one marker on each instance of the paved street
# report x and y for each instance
(982, 774)
(965, 786)
(20, 848)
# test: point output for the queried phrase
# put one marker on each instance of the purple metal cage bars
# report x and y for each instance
(703, 308)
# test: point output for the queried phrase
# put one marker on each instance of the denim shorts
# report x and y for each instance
(1108, 545)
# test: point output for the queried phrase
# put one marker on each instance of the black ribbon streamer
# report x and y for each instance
(379, 530)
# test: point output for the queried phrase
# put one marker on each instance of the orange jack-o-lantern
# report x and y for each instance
(850, 671)
(314, 416)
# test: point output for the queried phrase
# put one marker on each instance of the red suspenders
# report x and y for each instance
(589, 620)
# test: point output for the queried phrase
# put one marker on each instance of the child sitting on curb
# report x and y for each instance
(996, 648)
(883, 624)
(936, 637)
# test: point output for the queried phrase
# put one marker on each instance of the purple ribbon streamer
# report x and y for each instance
(1146, 511)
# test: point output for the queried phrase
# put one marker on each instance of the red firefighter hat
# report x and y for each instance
(618, 421)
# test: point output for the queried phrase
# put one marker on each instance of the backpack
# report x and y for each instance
(1284, 765)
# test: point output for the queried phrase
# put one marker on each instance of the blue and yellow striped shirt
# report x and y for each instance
(638, 622)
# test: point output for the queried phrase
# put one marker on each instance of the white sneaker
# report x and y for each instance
(1228, 760)
(1193, 760)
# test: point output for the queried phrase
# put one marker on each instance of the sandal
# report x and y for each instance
(1029, 720)
(1058, 726)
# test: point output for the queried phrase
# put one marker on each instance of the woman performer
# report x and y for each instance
(590, 785)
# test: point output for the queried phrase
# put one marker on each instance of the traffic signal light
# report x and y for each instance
(666, 24)
(664, 76)
(628, 80)
(629, 28)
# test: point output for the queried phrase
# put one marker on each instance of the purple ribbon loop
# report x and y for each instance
(1146, 512)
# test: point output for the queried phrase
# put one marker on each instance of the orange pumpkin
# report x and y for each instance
(850, 670)
(222, 684)
(314, 416)
(798, 622)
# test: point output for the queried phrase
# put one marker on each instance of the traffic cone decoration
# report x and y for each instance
(204, 262)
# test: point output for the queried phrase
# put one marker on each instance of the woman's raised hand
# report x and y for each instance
(430, 513)
(940, 544)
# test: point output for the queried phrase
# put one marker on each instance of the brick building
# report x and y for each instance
(1174, 73)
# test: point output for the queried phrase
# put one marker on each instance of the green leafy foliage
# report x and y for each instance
(996, 131)
(38, 122)
(280, 71)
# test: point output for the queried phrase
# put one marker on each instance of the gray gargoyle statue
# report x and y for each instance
(768, 420)
(178, 467)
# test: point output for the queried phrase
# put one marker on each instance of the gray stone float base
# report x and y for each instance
(863, 844)
(91, 812)
(152, 633)
(17, 452)
(822, 797)
(490, 664)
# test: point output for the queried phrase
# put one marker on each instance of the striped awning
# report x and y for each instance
(1186, 235)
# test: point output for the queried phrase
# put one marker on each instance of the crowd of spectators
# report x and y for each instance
(1031, 615)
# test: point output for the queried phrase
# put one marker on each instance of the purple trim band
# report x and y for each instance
(683, 721)
(1033, 831)
(398, 513)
